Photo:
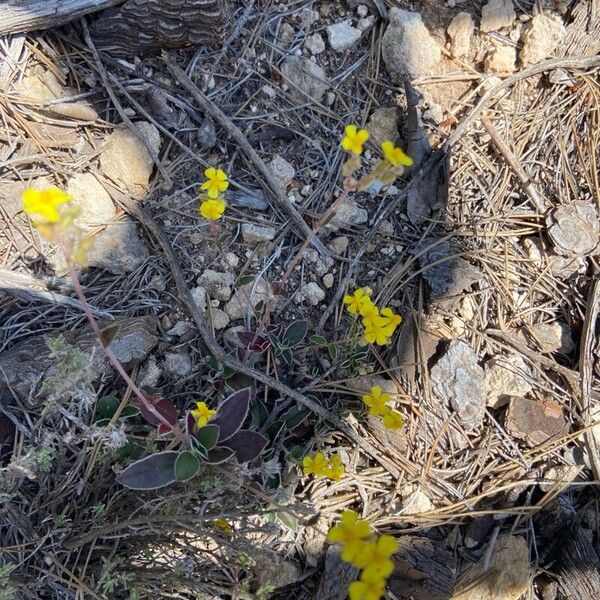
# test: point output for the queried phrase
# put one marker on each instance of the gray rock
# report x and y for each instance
(178, 363)
(315, 43)
(328, 280)
(553, 337)
(255, 234)
(574, 229)
(247, 296)
(207, 133)
(118, 248)
(286, 33)
(307, 78)
(506, 376)
(220, 319)
(497, 14)
(180, 328)
(230, 336)
(311, 293)
(217, 284)
(282, 170)
(460, 31)
(540, 38)
(383, 125)
(349, 213)
(407, 47)
(339, 245)
(126, 160)
(458, 379)
(342, 36)
(150, 373)
(199, 296)
(253, 199)
(94, 203)
(365, 24)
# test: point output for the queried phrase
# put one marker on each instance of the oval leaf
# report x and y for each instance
(129, 411)
(246, 444)
(219, 455)
(207, 436)
(106, 407)
(163, 406)
(232, 413)
(186, 466)
(150, 473)
(295, 333)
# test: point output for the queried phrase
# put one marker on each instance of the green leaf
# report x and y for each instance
(288, 520)
(295, 417)
(258, 413)
(213, 364)
(244, 280)
(129, 450)
(129, 411)
(150, 473)
(198, 447)
(318, 340)
(186, 466)
(102, 422)
(334, 351)
(207, 436)
(295, 333)
(219, 455)
(107, 406)
(239, 381)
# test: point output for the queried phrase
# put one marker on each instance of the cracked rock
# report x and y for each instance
(540, 38)
(574, 229)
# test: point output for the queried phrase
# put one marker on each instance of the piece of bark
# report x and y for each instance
(25, 366)
(26, 15)
(337, 576)
(424, 569)
(579, 571)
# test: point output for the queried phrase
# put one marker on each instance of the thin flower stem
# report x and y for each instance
(115, 362)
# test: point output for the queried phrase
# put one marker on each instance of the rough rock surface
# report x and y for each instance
(505, 376)
(501, 59)
(553, 337)
(119, 248)
(311, 293)
(315, 44)
(307, 78)
(255, 234)
(575, 229)
(534, 421)
(460, 31)
(349, 213)
(95, 206)
(497, 14)
(217, 284)
(407, 47)
(126, 159)
(282, 170)
(247, 296)
(383, 125)
(540, 38)
(342, 36)
(458, 379)
(178, 363)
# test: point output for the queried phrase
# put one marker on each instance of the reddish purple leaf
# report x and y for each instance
(219, 455)
(253, 341)
(163, 429)
(150, 473)
(190, 424)
(246, 444)
(232, 413)
(162, 406)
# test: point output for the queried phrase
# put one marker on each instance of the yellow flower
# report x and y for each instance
(390, 320)
(374, 557)
(377, 332)
(337, 468)
(44, 203)
(350, 533)
(223, 525)
(216, 182)
(202, 414)
(317, 465)
(368, 588)
(354, 139)
(369, 312)
(395, 156)
(376, 401)
(359, 301)
(212, 209)
(392, 419)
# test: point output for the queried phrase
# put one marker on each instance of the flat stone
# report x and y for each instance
(311, 293)
(540, 38)
(127, 161)
(415, 501)
(246, 297)
(497, 14)
(94, 203)
(119, 248)
(220, 319)
(505, 576)
(534, 421)
(505, 376)
(339, 245)
(458, 380)
(178, 363)
(574, 229)
(407, 47)
(306, 78)
(349, 213)
(342, 36)
(315, 43)
(217, 284)
(255, 234)
(383, 125)
(282, 170)
(199, 296)
(501, 59)
(460, 31)
(553, 337)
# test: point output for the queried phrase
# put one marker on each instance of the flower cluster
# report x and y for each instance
(53, 215)
(212, 205)
(202, 414)
(379, 326)
(377, 401)
(361, 548)
(321, 466)
(386, 171)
